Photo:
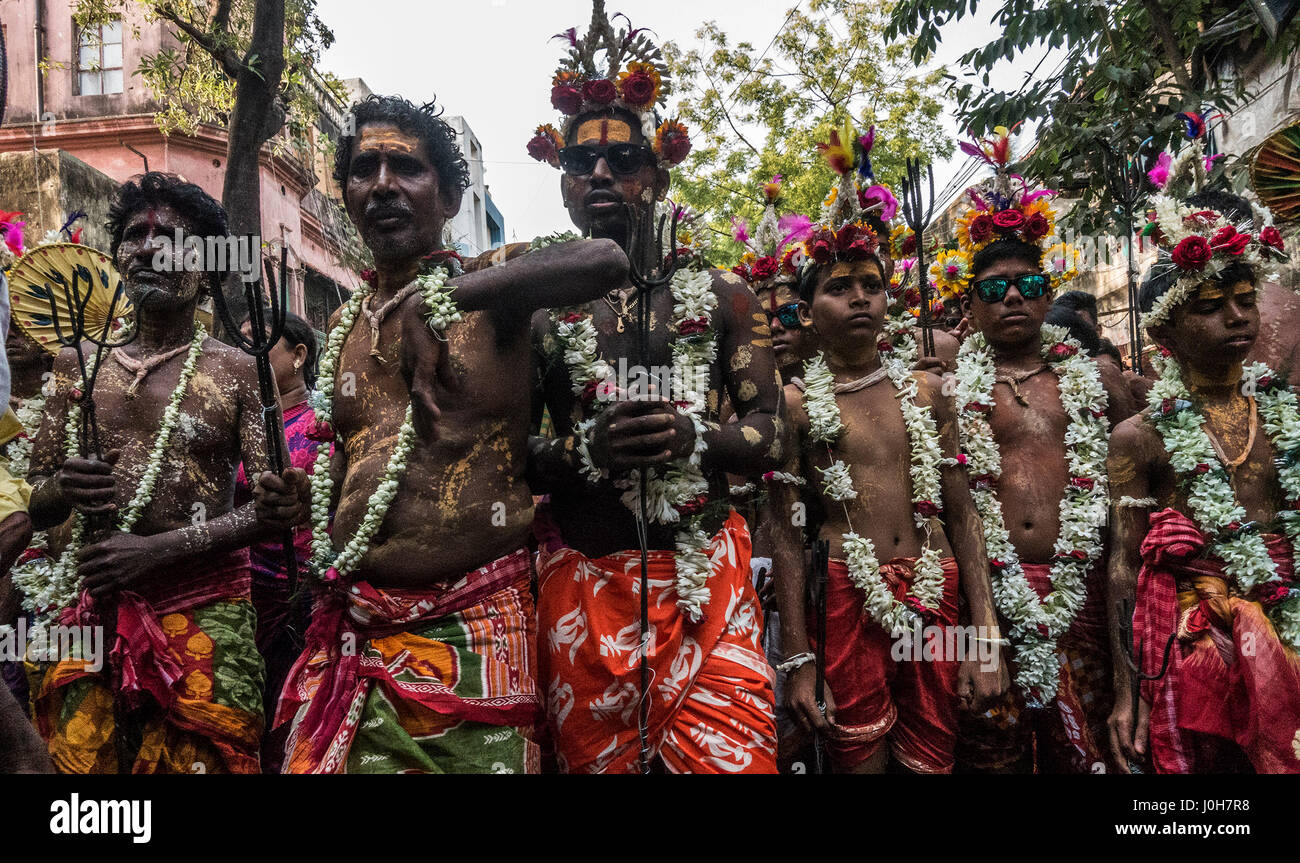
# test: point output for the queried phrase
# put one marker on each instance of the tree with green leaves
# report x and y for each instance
(757, 113)
(1126, 71)
(244, 64)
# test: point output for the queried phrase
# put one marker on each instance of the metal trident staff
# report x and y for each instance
(917, 211)
(646, 274)
(258, 345)
(1126, 607)
(88, 437)
(1124, 181)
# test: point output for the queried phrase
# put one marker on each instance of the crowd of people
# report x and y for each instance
(596, 506)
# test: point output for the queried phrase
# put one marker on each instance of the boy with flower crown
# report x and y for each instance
(1034, 415)
(877, 452)
(1207, 489)
(709, 705)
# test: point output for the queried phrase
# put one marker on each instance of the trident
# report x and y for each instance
(258, 345)
(646, 274)
(917, 211)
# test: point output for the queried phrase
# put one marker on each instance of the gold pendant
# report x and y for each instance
(620, 323)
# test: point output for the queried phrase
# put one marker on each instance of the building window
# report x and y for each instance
(99, 59)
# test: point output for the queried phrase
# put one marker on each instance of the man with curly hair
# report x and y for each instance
(159, 552)
(419, 658)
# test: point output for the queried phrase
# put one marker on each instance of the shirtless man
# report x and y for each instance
(1044, 462)
(876, 705)
(422, 636)
(1214, 585)
(710, 705)
(177, 581)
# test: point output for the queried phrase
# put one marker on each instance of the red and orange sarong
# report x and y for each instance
(1232, 688)
(711, 687)
(183, 669)
(418, 681)
(910, 704)
(1067, 735)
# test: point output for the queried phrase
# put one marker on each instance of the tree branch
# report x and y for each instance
(228, 59)
(1160, 23)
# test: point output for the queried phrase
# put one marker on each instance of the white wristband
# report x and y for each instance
(795, 661)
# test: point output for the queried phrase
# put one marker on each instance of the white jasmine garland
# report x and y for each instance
(1037, 624)
(926, 458)
(50, 588)
(1210, 496)
(440, 311)
(676, 494)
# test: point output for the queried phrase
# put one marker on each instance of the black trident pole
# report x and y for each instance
(1124, 182)
(917, 211)
(648, 271)
(258, 345)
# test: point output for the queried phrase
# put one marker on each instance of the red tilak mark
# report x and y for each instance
(604, 132)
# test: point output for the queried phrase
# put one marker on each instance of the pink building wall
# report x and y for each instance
(100, 130)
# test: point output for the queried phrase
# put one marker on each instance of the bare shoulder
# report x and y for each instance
(1134, 437)
(734, 294)
(229, 358)
(795, 412)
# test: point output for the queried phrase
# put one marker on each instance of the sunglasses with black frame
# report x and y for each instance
(1031, 286)
(580, 159)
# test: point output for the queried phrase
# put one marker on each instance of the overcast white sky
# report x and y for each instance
(491, 61)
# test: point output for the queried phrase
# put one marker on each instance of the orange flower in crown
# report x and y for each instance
(1007, 210)
(612, 68)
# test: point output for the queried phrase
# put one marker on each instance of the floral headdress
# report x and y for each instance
(768, 250)
(843, 233)
(11, 235)
(1198, 243)
(1009, 210)
(631, 76)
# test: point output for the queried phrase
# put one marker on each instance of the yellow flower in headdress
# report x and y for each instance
(902, 242)
(839, 149)
(639, 85)
(830, 197)
(1061, 264)
(951, 273)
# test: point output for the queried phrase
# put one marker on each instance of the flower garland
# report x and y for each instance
(927, 501)
(1210, 495)
(1036, 624)
(52, 588)
(676, 495)
(19, 450)
(440, 312)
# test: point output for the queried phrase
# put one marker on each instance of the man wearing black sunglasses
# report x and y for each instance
(611, 176)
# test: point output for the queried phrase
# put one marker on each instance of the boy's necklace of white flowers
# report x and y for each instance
(1210, 495)
(926, 458)
(1037, 624)
(52, 589)
(677, 494)
(440, 312)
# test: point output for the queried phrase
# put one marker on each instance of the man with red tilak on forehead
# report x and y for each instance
(710, 698)
(419, 657)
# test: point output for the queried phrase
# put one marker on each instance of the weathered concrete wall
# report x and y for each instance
(48, 185)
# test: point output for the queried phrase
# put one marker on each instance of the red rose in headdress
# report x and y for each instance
(822, 246)
(908, 247)
(764, 268)
(742, 271)
(672, 142)
(600, 90)
(565, 99)
(1271, 236)
(1202, 217)
(639, 90)
(1192, 253)
(1228, 240)
(787, 260)
(1008, 220)
(545, 145)
(1036, 227)
(981, 228)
